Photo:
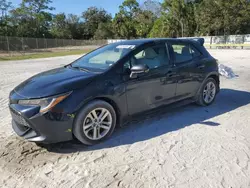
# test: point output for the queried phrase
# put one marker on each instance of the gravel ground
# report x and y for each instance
(186, 147)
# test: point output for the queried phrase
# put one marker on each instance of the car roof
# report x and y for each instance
(138, 42)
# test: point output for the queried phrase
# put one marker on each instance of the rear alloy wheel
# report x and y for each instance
(207, 93)
(95, 122)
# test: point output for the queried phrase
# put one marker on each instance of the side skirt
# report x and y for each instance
(163, 109)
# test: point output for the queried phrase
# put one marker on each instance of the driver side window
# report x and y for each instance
(154, 57)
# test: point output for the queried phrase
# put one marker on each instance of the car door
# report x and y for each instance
(152, 89)
(187, 62)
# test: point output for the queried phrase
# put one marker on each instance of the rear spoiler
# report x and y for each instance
(197, 39)
(200, 40)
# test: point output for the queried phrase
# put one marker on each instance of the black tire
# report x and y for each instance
(200, 99)
(78, 124)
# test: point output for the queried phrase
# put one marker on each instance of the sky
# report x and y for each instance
(78, 6)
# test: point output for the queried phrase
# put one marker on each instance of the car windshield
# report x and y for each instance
(102, 58)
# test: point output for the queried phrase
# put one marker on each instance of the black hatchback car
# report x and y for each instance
(88, 98)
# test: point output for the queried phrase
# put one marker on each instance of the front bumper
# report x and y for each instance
(51, 127)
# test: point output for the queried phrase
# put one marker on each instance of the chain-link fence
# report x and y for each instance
(228, 41)
(26, 45)
(220, 42)
(21, 44)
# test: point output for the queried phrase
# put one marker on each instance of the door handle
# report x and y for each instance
(200, 66)
(170, 74)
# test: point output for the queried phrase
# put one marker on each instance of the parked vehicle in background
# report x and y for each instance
(88, 98)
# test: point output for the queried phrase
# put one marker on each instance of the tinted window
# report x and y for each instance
(182, 53)
(195, 53)
(153, 57)
(102, 58)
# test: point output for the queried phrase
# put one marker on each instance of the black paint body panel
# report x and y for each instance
(128, 96)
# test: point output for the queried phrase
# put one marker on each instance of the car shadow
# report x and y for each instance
(164, 121)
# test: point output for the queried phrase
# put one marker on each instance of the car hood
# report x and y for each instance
(54, 82)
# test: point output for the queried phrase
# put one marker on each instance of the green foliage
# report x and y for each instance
(223, 17)
(59, 27)
(67, 27)
(74, 25)
(124, 21)
(171, 18)
(4, 7)
(4, 18)
(164, 26)
(92, 18)
(145, 21)
(152, 6)
(177, 13)
(158, 29)
(31, 18)
(104, 31)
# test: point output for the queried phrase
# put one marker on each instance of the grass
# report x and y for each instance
(44, 55)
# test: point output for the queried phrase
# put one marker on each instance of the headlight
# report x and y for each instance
(46, 103)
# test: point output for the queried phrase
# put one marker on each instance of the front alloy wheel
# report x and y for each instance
(95, 122)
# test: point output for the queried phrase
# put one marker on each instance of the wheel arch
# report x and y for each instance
(109, 101)
(77, 123)
(114, 105)
(215, 76)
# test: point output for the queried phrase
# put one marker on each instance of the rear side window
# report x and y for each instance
(195, 53)
(184, 52)
(154, 57)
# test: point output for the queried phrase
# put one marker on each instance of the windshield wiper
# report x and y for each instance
(81, 68)
(68, 66)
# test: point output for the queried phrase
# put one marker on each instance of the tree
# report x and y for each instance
(158, 29)
(68, 27)
(190, 22)
(92, 18)
(223, 17)
(59, 26)
(171, 18)
(4, 8)
(5, 27)
(124, 21)
(176, 9)
(180, 15)
(104, 31)
(32, 18)
(165, 26)
(144, 23)
(74, 26)
(152, 6)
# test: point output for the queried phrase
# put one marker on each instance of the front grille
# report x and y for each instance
(18, 118)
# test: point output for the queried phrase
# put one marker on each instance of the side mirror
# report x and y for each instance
(137, 70)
